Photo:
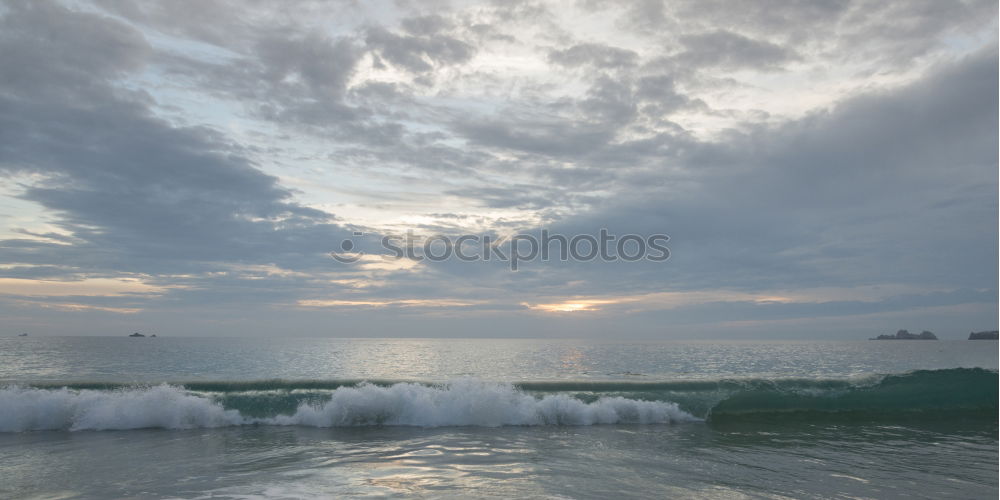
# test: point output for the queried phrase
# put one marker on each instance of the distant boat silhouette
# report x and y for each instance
(23, 335)
(137, 334)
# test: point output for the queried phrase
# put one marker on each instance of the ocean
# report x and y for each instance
(166, 417)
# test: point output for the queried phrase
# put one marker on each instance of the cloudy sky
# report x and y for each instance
(186, 167)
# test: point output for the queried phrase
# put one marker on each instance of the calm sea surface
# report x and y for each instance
(103, 417)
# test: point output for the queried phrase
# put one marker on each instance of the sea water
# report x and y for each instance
(117, 417)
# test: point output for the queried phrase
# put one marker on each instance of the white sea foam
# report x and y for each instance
(472, 402)
(162, 406)
(462, 402)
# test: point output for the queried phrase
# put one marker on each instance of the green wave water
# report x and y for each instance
(966, 390)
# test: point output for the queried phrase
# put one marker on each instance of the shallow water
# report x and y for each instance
(266, 418)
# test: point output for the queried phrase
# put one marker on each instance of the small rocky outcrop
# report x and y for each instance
(906, 335)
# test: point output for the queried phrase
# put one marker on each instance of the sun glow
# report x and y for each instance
(570, 306)
(91, 287)
(385, 303)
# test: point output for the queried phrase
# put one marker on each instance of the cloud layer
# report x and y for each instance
(186, 167)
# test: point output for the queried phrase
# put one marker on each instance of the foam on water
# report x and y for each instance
(162, 406)
(458, 403)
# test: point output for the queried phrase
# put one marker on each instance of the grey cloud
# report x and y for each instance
(561, 138)
(895, 186)
(41, 31)
(661, 98)
(418, 53)
(609, 101)
(298, 79)
(897, 33)
(587, 128)
(596, 55)
(233, 25)
(321, 65)
(425, 25)
(138, 194)
(794, 21)
(728, 50)
(39, 272)
(646, 14)
(893, 34)
(568, 127)
(884, 33)
(213, 21)
(514, 196)
(491, 33)
(885, 188)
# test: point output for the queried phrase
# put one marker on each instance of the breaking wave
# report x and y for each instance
(459, 403)
(470, 402)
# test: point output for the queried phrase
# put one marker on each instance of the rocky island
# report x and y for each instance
(984, 335)
(905, 335)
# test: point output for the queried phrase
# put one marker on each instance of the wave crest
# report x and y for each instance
(970, 392)
(163, 406)
(458, 403)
